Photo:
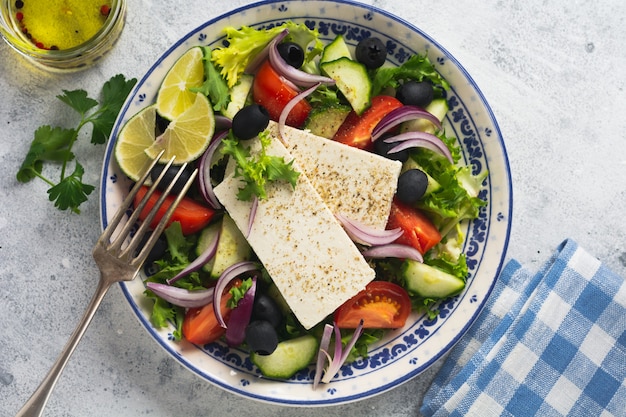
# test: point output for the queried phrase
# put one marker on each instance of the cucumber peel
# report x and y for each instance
(289, 357)
(335, 50)
(231, 248)
(352, 80)
(429, 282)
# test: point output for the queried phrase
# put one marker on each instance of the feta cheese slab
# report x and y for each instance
(305, 250)
(351, 181)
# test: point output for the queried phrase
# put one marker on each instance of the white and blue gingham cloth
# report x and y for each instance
(549, 344)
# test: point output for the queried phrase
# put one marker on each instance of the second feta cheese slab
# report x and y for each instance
(302, 246)
(351, 181)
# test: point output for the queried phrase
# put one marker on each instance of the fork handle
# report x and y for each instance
(37, 402)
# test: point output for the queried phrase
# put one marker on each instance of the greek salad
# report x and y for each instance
(274, 223)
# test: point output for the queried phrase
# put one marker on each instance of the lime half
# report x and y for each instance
(174, 96)
(187, 136)
(134, 138)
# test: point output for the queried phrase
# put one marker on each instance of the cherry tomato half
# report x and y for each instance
(191, 215)
(357, 130)
(381, 305)
(271, 92)
(419, 231)
(200, 325)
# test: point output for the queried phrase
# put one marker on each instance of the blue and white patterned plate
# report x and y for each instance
(404, 353)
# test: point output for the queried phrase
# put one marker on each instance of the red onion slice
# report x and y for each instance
(401, 115)
(420, 140)
(367, 235)
(394, 250)
(199, 262)
(341, 354)
(222, 123)
(296, 76)
(240, 317)
(227, 276)
(322, 354)
(253, 209)
(282, 119)
(180, 296)
(204, 171)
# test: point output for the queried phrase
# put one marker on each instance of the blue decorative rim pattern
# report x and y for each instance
(406, 352)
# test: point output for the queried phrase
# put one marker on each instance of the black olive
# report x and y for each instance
(371, 52)
(157, 252)
(169, 177)
(415, 93)
(382, 148)
(412, 185)
(292, 53)
(265, 308)
(261, 337)
(150, 268)
(250, 121)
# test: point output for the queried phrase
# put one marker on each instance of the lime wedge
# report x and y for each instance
(174, 96)
(134, 137)
(188, 135)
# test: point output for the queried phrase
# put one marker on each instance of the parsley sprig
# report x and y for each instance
(54, 144)
(256, 171)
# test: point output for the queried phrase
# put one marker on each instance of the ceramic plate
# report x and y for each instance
(404, 353)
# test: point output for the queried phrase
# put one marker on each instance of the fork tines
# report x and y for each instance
(129, 252)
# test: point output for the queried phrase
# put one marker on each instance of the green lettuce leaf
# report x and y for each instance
(214, 86)
(245, 43)
(417, 68)
(457, 198)
(178, 256)
(257, 170)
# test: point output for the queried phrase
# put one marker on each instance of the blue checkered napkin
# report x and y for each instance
(549, 344)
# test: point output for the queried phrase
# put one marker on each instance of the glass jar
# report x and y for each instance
(60, 60)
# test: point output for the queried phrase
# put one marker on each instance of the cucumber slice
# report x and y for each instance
(352, 80)
(325, 121)
(207, 235)
(438, 108)
(239, 95)
(231, 248)
(335, 50)
(289, 357)
(429, 282)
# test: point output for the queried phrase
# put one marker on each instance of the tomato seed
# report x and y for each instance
(19, 4)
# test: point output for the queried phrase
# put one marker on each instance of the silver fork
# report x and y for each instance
(118, 259)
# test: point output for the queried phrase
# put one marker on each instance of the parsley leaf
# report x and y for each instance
(114, 93)
(78, 100)
(54, 144)
(70, 192)
(257, 170)
(49, 144)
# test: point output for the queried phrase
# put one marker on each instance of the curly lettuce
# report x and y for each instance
(456, 198)
(417, 68)
(245, 43)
